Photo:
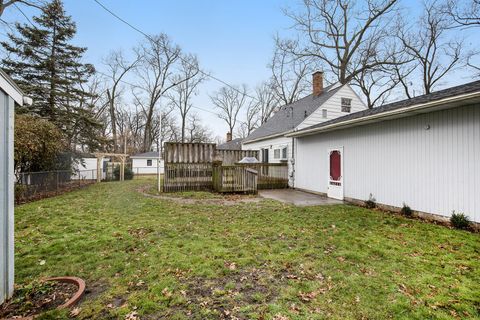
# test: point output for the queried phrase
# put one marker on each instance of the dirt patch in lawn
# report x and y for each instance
(232, 296)
(36, 298)
(227, 200)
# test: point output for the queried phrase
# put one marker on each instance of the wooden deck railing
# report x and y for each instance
(270, 175)
(237, 178)
(187, 177)
(234, 179)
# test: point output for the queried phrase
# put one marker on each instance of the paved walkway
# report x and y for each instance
(298, 198)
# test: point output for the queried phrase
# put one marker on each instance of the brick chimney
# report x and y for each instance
(317, 80)
(229, 136)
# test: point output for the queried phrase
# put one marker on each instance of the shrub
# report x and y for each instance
(460, 221)
(128, 173)
(406, 211)
(371, 202)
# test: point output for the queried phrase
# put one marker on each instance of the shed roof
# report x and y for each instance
(235, 144)
(283, 121)
(413, 104)
(145, 155)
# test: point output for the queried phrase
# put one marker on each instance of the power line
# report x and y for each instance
(133, 85)
(180, 57)
(102, 73)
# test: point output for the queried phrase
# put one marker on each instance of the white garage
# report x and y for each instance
(424, 152)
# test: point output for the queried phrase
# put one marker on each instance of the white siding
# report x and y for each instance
(6, 196)
(271, 145)
(87, 169)
(334, 107)
(139, 166)
(434, 171)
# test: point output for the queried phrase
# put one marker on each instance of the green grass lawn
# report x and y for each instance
(147, 258)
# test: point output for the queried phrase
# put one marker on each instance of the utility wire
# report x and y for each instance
(181, 58)
(102, 73)
(133, 85)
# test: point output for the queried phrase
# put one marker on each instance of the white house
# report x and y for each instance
(322, 105)
(423, 152)
(86, 167)
(10, 94)
(146, 163)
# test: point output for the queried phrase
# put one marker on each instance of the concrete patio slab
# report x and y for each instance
(298, 198)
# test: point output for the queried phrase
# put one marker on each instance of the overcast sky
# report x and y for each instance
(233, 39)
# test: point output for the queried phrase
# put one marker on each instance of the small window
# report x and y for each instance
(276, 154)
(346, 104)
(324, 113)
(149, 163)
(284, 153)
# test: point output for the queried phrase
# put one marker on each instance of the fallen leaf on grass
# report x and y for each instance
(75, 312)
(42, 262)
(132, 316)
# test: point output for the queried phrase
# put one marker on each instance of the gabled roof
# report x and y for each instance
(282, 121)
(451, 95)
(145, 155)
(235, 144)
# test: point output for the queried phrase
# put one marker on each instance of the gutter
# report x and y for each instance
(416, 107)
(282, 134)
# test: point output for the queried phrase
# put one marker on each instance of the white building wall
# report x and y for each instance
(334, 107)
(6, 196)
(140, 166)
(87, 169)
(271, 145)
(399, 161)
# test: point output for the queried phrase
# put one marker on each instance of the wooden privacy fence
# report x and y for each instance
(200, 166)
(234, 179)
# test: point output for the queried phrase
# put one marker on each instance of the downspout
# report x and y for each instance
(293, 162)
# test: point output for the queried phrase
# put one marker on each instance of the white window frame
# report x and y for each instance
(346, 105)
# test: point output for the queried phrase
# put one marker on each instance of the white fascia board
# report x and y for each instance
(268, 137)
(11, 88)
(417, 108)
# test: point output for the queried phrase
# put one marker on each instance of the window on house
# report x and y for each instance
(276, 154)
(346, 104)
(265, 155)
(149, 163)
(284, 153)
(324, 113)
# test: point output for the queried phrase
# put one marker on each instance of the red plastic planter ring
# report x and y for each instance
(77, 296)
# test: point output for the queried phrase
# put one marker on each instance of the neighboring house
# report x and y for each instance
(10, 95)
(235, 144)
(146, 163)
(423, 152)
(85, 167)
(322, 105)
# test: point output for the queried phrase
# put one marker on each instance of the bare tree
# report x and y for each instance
(267, 101)
(229, 101)
(376, 85)
(156, 72)
(347, 37)
(4, 4)
(252, 119)
(465, 13)
(181, 95)
(197, 132)
(289, 73)
(434, 53)
(118, 67)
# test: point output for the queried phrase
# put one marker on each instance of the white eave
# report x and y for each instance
(426, 107)
(11, 88)
(276, 135)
